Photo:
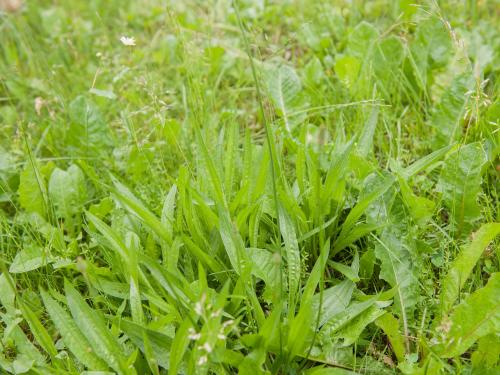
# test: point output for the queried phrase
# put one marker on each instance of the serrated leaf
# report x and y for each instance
(477, 316)
(463, 265)
(396, 267)
(447, 115)
(487, 355)
(335, 300)
(265, 266)
(351, 332)
(460, 184)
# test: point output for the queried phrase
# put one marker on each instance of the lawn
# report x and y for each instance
(249, 186)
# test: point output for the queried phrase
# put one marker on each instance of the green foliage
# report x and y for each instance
(249, 187)
(460, 184)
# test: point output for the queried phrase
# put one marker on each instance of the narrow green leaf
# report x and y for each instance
(73, 338)
(95, 330)
(38, 330)
(477, 316)
(462, 266)
(390, 325)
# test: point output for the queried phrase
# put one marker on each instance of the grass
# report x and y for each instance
(295, 187)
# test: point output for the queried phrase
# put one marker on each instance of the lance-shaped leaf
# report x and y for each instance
(95, 330)
(73, 338)
(478, 315)
(462, 266)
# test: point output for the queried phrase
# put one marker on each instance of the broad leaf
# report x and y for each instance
(460, 184)
(447, 116)
(88, 133)
(32, 190)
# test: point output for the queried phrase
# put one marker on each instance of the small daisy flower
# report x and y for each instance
(127, 41)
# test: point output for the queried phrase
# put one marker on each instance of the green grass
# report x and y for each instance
(282, 187)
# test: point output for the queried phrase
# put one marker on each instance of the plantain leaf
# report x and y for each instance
(38, 330)
(284, 88)
(292, 253)
(73, 338)
(95, 330)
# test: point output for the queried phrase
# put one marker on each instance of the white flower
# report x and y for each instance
(202, 360)
(126, 41)
(193, 335)
(215, 314)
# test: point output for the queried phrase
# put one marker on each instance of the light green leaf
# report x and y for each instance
(95, 330)
(351, 332)
(38, 330)
(396, 267)
(460, 184)
(265, 266)
(32, 190)
(67, 192)
(87, 133)
(447, 116)
(462, 266)
(73, 338)
(29, 258)
(477, 316)
(430, 49)
(347, 69)
(284, 87)
(390, 325)
(361, 40)
(335, 300)
(292, 252)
